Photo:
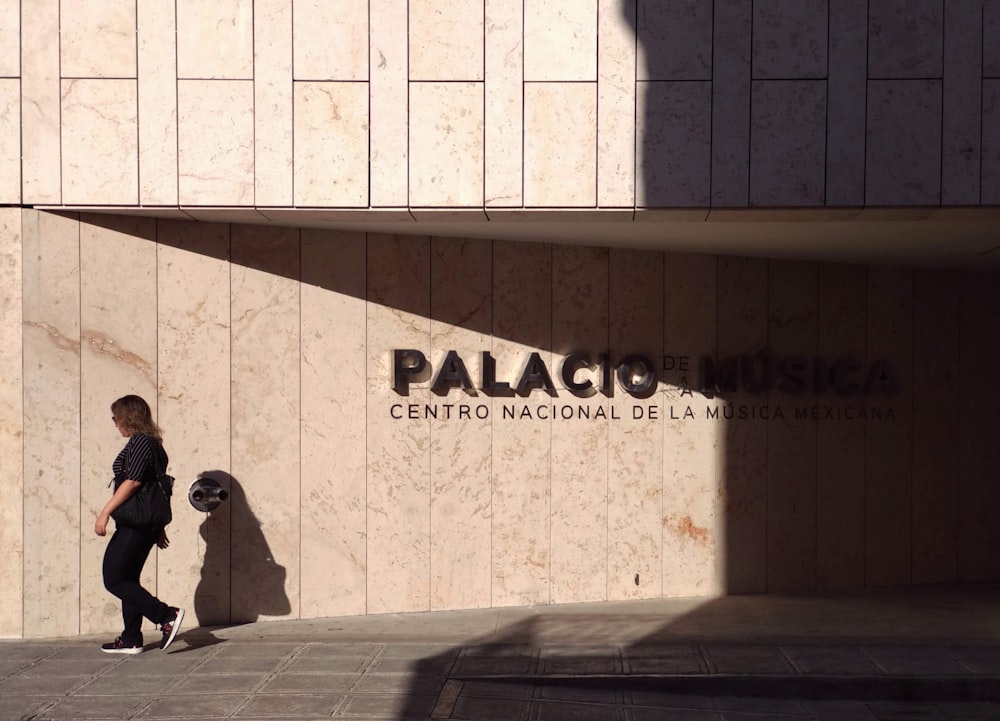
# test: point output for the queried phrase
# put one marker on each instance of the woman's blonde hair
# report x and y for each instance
(132, 413)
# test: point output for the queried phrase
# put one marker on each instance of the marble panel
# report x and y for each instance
(265, 505)
(991, 40)
(990, 190)
(11, 424)
(790, 39)
(157, 69)
(675, 39)
(693, 442)
(100, 142)
(331, 40)
(215, 39)
(791, 439)
(10, 141)
(675, 144)
(10, 38)
(118, 343)
(388, 104)
(560, 168)
(560, 40)
(446, 144)
(98, 39)
(979, 453)
(215, 142)
(905, 39)
(40, 103)
(731, 104)
(635, 440)
(522, 447)
(889, 440)
(461, 447)
(846, 103)
(962, 90)
(334, 533)
(52, 512)
(193, 370)
(903, 159)
(742, 333)
(273, 113)
(331, 144)
(398, 449)
(842, 309)
(936, 366)
(446, 41)
(504, 119)
(580, 438)
(616, 90)
(788, 143)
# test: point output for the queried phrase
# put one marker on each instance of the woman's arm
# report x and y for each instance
(125, 489)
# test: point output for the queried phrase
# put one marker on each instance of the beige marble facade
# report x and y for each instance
(268, 354)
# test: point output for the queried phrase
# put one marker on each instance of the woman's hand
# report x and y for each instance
(101, 524)
(163, 541)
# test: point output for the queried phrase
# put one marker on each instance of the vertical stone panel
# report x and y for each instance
(635, 440)
(118, 357)
(936, 365)
(560, 168)
(675, 154)
(504, 103)
(157, 53)
(266, 443)
(991, 40)
(389, 103)
(10, 38)
(616, 89)
(903, 143)
(694, 533)
(675, 39)
(11, 424)
(905, 40)
(889, 440)
(215, 39)
(790, 39)
(788, 143)
(399, 453)
(215, 144)
(10, 141)
(560, 40)
(979, 452)
(846, 102)
(579, 445)
(334, 534)
(990, 192)
(52, 521)
(272, 83)
(100, 142)
(842, 311)
(522, 448)
(461, 320)
(40, 147)
(962, 102)
(446, 144)
(331, 144)
(742, 333)
(195, 411)
(791, 441)
(446, 41)
(331, 39)
(731, 102)
(97, 39)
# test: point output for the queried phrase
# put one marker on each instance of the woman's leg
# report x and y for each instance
(124, 558)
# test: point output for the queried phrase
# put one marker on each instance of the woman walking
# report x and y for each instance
(141, 461)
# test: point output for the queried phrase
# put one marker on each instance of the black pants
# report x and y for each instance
(124, 558)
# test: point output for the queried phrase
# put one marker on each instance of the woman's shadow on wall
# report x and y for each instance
(240, 579)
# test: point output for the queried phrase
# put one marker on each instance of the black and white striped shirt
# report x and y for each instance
(135, 461)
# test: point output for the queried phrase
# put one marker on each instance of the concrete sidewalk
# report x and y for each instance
(914, 653)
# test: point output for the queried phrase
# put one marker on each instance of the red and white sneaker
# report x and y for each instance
(171, 627)
(118, 646)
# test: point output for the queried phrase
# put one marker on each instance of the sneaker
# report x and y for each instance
(118, 646)
(171, 627)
